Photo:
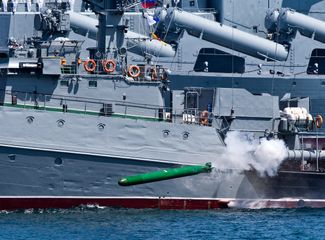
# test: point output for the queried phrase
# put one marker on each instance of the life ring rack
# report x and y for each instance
(319, 121)
(109, 65)
(90, 65)
(134, 71)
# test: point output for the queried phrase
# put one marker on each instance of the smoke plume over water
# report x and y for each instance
(245, 153)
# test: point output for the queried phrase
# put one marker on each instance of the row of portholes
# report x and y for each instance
(61, 122)
(57, 161)
(101, 127)
(185, 134)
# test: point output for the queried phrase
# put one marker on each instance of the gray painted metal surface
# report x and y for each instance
(229, 37)
(137, 43)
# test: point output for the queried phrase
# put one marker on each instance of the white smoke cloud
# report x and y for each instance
(243, 152)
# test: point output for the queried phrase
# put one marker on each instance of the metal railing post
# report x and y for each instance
(25, 99)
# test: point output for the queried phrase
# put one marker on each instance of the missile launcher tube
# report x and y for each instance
(226, 36)
(164, 175)
(306, 25)
(137, 43)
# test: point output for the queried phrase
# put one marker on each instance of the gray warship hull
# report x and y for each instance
(42, 172)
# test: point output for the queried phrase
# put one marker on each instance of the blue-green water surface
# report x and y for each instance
(96, 223)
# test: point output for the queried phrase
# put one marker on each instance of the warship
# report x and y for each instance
(161, 104)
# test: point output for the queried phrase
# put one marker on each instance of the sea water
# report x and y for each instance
(105, 223)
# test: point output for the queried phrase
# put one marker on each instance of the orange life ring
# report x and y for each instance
(204, 118)
(134, 71)
(90, 65)
(319, 121)
(109, 66)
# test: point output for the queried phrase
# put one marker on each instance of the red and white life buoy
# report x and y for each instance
(109, 66)
(134, 71)
(90, 65)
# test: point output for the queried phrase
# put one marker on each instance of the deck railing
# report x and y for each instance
(104, 107)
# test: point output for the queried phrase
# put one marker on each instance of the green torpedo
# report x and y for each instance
(165, 174)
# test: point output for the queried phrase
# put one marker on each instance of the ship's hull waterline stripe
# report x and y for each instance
(44, 202)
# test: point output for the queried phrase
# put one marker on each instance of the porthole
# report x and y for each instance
(12, 157)
(60, 122)
(101, 126)
(58, 161)
(186, 135)
(166, 133)
(30, 119)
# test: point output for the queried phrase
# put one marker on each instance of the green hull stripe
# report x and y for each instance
(76, 111)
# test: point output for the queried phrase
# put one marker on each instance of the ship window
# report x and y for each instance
(214, 60)
(92, 84)
(64, 83)
(317, 62)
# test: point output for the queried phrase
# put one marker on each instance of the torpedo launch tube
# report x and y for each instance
(136, 42)
(166, 174)
(287, 20)
(226, 36)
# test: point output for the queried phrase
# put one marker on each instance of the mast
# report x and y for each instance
(111, 28)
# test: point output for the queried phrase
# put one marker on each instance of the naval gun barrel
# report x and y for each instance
(226, 36)
(166, 174)
(297, 155)
(306, 25)
(136, 43)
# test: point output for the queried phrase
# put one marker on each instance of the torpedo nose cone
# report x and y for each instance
(123, 182)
